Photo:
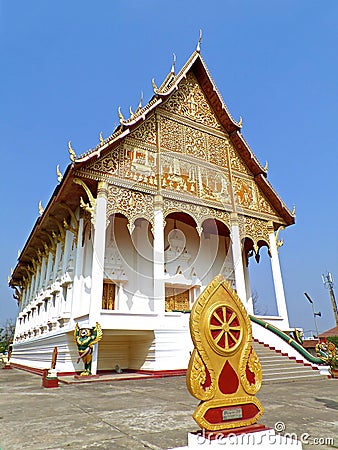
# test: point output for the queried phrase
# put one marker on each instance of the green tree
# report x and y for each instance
(6, 334)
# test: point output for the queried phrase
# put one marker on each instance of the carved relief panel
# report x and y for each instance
(139, 165)
(244, 192)
(189, 101)
(171, 135)
(178, 175)
(217, 150)
(108, 164)
(146, 132)
(236, 161)
(132, 204)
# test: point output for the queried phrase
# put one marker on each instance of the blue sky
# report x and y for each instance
(67, 66)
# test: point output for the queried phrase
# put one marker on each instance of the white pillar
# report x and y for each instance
(78, 275)
(158, 257)
(238, 260)
(98, 263)
(278, 281)
(248, 290)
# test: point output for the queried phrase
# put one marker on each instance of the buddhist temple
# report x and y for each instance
(137, 228)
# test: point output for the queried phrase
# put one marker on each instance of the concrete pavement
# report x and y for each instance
(145, 413)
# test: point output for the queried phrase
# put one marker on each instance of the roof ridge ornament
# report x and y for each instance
(173, 64)
(240, 123)
(155, 88)
(198, 48)
(58, 173)
(266, 167)
(41, 209)
(120, 115)
(101, 138)
(72, 154)
(140, 103)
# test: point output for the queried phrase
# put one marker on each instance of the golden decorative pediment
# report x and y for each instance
(108, 164)
(236, 161)
(146, 132)
(189, 101)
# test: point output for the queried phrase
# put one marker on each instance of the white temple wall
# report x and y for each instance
(81, 304)
(134, 281)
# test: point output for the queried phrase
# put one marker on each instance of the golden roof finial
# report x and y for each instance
(131, 112)
(198, 48)
(240, 123)
(19, 253)
(120, 114)
(173, 65)
(266, 167)
(58, 173)
(293, 212)
(72, 154)
(101, 138)
(155, 88)
(140, 103)
(41, 210)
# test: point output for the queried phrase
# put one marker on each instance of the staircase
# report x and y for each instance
(279, 368)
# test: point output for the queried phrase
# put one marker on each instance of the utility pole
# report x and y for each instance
(314, 313)
(328, 283)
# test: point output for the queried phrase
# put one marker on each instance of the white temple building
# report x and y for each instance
(138, 226)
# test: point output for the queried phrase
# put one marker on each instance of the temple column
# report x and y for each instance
(158, 257)
(277, 279)
(237, 259)
(78, 277)
(248, 290)
(98, 262)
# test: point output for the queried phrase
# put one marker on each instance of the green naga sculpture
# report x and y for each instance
(85, 338)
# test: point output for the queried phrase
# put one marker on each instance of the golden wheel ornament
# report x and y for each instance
(225, 332)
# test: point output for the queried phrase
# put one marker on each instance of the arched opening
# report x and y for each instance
(181, 247)
(128, 265)
(259, 279)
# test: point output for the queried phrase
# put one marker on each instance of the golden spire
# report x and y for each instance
(198, 48)
(240, 123)
(41, 210)
(155, 88)
(101, 138)
(72, 154)
(120, 115)
(58, 173)
(266, 167)
(173, 65)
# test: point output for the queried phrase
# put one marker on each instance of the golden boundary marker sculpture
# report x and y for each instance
(224, 370)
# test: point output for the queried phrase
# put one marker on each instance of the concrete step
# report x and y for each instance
(280, 368)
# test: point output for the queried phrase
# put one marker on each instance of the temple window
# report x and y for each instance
(108, 296)
(176, 299)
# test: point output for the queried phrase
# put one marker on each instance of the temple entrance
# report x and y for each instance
(176, 299)
(108, 296)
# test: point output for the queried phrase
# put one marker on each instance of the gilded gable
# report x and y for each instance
(108, 164)
(189, 101)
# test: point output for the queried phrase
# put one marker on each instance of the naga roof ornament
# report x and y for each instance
(72, 154)
(58, 173)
